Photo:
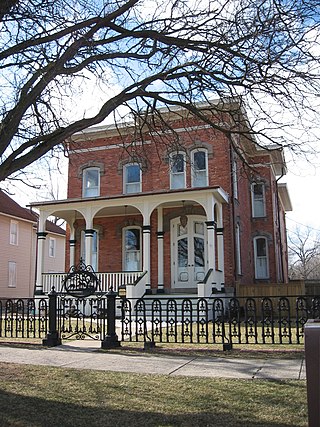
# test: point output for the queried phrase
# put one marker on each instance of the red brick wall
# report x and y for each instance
(156, 177)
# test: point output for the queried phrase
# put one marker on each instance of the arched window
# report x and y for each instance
(177, 170)
(199, 168)
(131, 238)
(261, 257)
(91, 182)
(131, 178)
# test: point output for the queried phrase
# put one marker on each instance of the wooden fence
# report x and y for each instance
(294, 287)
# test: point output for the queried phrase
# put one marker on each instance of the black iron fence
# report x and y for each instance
(24, 318)
(265, 320)
(227, 321)
(80, 318)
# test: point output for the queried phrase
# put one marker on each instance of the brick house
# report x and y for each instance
(18, 249)
(185, 211)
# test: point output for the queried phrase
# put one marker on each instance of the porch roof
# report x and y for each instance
(168, 198)
(219, 193)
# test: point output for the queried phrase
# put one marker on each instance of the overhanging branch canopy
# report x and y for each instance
(156, 54)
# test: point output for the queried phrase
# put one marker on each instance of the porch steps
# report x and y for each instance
(182, 292)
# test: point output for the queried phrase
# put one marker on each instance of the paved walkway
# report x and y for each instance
(84, 355)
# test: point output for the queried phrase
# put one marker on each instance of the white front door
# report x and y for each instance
(188, 252)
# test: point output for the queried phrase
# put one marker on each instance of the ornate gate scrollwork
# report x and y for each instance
(81, 281)
(82, 307)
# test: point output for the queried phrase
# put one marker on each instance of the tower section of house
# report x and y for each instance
(187, 206)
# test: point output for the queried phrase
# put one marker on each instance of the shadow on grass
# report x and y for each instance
(22, 411)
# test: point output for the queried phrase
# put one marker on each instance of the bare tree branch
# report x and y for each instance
(156, 55)
(304, 254)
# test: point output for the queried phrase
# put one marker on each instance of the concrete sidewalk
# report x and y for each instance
(84, 355)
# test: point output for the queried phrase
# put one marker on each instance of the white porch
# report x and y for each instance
(209, 200)
(107, 281)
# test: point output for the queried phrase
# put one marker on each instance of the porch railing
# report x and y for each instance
(107, 280)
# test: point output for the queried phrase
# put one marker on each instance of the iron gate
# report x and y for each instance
(81, 310)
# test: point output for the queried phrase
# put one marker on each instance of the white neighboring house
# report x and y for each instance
(18, 249)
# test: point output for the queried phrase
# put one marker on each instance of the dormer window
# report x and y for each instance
(91, 182)
(177, 171)
(199, 168)
(132, 178)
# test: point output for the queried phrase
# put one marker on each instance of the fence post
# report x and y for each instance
(111, 339)
(312, 353)
(53, 339)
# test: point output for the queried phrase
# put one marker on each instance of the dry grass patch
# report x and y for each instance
(40, 396)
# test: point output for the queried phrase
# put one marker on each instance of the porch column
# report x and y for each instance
(146, 230)
(211, 244)
(88, 243)
(220, 251)
(41, 236)
(160, 235)
(220, 243)
(72, 247)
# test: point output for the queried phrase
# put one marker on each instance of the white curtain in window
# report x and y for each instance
(91, 182)
(132, 245)
(12, 267)
(13, 233)
(177, 164)
(258, 200)
(261, 258)
(199, 169)
(132, 178)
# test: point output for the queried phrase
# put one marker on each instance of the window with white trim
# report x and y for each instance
(91, 182)
(52, 247)
(131, 237)
(14, 228)
(132, 178)
(177, 170)
(199, 168)
(12, 274)
(261, 258)
(94, 248)
(258, 200)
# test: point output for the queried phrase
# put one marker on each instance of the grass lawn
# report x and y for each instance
(38, 396)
